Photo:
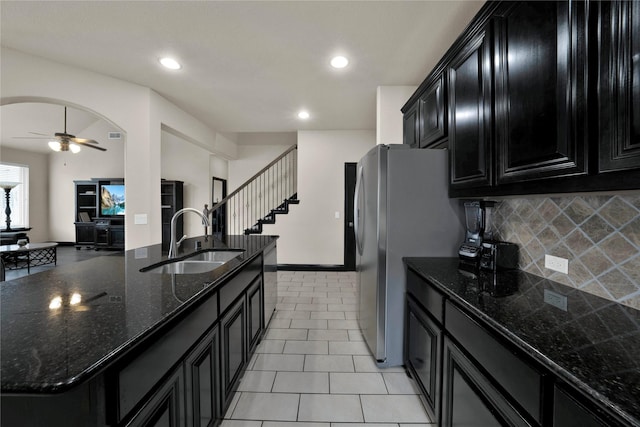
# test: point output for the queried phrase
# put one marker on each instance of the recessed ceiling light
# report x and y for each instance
(303, 115)
(339, 62)
(170, 63)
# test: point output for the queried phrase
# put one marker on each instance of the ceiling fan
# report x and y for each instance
(65, 141)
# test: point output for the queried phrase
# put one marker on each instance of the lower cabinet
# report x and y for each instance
(470, 375)
(234, 346)
(567, 412)
(166, 407)
(201, 379)
(255, 313)
(469, 398)
(211, 353)
(85, 234)
(423, 355)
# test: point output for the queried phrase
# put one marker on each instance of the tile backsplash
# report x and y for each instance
(600, 235)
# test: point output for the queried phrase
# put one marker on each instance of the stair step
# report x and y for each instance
(270, 218)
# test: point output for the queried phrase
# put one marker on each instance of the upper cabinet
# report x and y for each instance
(410, 126)
(470, 113)
(619, 86)
(425, 115)
(540, 91)
(541, 97)
(432, 114)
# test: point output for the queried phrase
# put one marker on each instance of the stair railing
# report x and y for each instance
(254, 202)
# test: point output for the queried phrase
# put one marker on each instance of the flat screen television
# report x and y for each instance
(111, 199)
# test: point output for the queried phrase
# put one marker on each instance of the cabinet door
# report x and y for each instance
(619, 79)
(166, 406)
(255, 314)
(432, 114)
(202, 368)
(116, 236)
(540, 90)
(468, 398)
(423, 347)
(410, 126)
(234, 349)
(85, 233)
(470, 114)
(567, 412)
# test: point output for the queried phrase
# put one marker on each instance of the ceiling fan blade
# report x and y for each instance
(93, 146)
(83, 141)
(33, 137)
(41, 134)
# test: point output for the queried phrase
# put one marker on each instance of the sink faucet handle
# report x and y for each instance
(181, 240)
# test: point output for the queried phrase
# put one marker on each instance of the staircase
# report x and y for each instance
(261, 198)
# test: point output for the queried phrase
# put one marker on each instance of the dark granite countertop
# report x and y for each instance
(47, 350)
(593, 344)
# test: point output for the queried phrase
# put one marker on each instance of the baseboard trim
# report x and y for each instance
(312, 267)
(66, 243)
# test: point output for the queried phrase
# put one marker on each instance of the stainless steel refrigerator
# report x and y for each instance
(401, 209)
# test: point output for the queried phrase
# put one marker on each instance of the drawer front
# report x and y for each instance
(238, 284)
(139, 376)
(426, 295)
(518, 378)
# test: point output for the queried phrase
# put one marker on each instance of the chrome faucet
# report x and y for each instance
(173, 247)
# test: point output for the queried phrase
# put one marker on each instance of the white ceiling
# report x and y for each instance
(248, 66)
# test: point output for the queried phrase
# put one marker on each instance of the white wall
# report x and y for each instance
(138, 111)
(183, 161)
(310, 233)
(389, 101)
(251, 159)
(39, 190)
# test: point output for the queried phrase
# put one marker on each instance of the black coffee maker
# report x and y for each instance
(478, 223)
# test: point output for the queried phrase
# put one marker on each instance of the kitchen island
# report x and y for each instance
(99, 342)
(515, 348)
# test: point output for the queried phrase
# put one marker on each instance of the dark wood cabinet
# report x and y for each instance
(469, 398)
(85, 234)
(410, 126)
(619, 86)
(568, 412)
(423, 349)
(166, 407)
(171, 201)
(234, 348)
(542, 97)
(540, 52)
(201, 375)
(86, 210)
(109, 233)
(432, 118)
(255, 313)
(470, 113)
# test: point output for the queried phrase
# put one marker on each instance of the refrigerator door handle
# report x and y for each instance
(357, 209)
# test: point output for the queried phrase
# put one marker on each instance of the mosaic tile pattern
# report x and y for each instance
(600, 235)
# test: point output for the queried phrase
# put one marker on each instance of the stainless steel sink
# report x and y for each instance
(201, 262)
(186, 267)
(215, 256)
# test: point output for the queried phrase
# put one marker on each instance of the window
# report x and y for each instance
(19, 195)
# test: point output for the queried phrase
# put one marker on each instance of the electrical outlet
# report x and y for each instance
(555, 299)
(556, 264)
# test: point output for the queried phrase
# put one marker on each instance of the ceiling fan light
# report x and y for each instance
(75, 148)
(55, 145)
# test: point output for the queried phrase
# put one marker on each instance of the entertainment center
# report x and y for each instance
(100, 211)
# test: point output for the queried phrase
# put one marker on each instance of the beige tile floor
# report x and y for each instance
(313, 369)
